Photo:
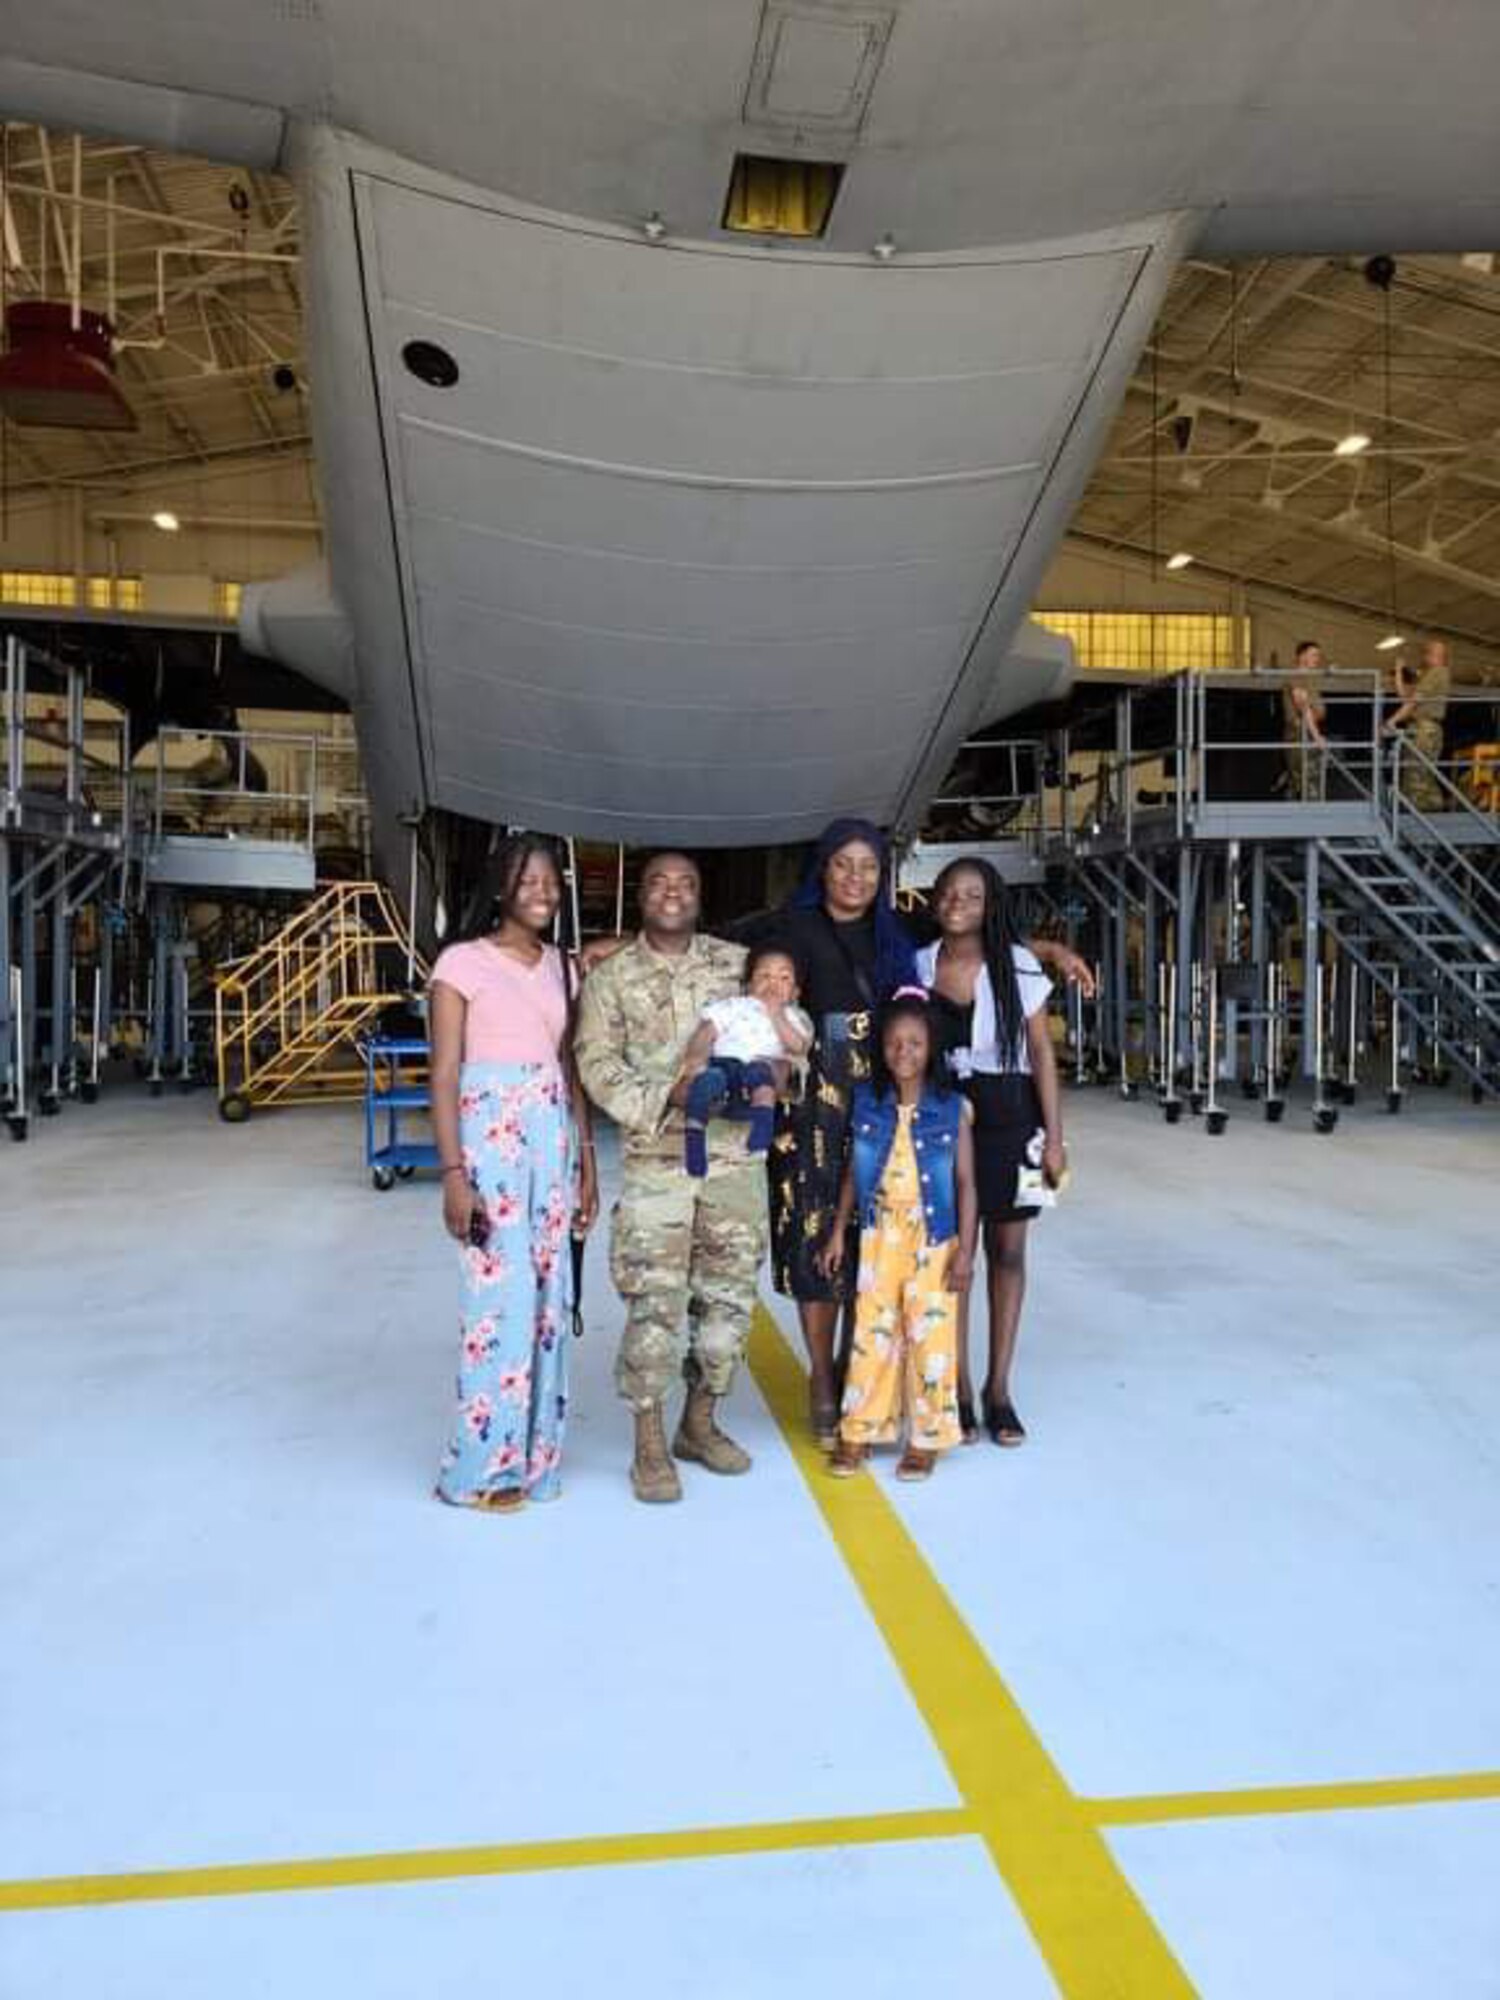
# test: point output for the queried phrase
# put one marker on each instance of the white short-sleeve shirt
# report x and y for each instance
(983, 1057)
(744, 1030)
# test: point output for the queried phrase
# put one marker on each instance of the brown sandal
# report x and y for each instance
(502, 1500)
(847, 1459)
(915, 1464)
(824, 1420)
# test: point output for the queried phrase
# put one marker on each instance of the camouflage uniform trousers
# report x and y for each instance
(685, 1255)
(1305, 772)
(1417, 782)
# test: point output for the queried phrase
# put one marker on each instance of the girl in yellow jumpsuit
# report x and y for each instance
(910, 1181)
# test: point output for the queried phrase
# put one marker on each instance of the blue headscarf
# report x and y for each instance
(895, 959)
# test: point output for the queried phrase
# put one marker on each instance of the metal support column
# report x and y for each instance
(1258, 958)
(1311, 958)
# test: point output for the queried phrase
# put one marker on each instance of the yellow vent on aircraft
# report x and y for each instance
(781, 197)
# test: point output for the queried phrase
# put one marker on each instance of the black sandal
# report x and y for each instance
(966, 1421)
(1002, 1423)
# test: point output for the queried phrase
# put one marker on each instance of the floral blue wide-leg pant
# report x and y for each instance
(518, 1146)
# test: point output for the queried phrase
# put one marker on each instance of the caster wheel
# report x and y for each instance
(1325, 1120)
(1172, 1111)
(1196, 1102)
(1275, 1110)
(1216, 1121)
(235, 1108)
(382, 1179)
(48, 1104)
(405, 1173)
(1249, 1091)
(1393, 1102)
(19, 1125)
(89, 1092)
(1348, 1093)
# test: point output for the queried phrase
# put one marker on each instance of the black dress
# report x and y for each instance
(805, 1165)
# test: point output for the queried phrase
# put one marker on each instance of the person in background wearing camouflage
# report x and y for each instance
(681, 1249)
(1303, 720)
(1423, 711)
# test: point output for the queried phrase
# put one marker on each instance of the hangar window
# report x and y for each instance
(781, 197)
(59, 589)
(37, 586)
(1142, 642)
(114, 593)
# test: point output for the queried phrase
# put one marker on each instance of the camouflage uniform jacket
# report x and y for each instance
(636, 1014)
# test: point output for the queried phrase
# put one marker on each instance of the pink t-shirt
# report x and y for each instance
(516, 1013)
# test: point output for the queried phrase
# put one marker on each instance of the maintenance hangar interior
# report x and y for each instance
(1196, 1693)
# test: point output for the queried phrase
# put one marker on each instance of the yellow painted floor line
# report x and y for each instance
(438, 1864)
(1093, 1930)
(1356, 1795)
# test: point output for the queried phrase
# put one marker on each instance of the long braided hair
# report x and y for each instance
(999, 938)
(494, 900)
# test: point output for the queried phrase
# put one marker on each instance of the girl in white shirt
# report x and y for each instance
(990, 997)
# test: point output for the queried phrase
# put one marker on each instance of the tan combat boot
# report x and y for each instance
(700, 1439)
(653, 1476)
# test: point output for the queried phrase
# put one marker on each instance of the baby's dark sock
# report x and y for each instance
(762, 1122)
(695, 1147)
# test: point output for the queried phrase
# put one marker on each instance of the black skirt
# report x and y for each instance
(1008, 1135)
(809, 1152)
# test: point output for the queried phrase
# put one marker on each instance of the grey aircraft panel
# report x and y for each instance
(987, 121)
(461, 480)
(797, 383)
(691, 600)
(698, 478)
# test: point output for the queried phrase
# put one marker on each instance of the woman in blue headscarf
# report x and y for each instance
(853, 951)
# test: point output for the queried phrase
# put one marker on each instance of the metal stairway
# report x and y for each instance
(1415, 903)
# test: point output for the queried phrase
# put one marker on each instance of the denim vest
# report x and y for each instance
(934, 1138)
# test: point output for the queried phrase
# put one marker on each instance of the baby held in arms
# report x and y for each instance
(743, 1052)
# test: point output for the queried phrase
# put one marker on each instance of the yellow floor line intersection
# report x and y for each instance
(1093, 1930)
(1047, 1843)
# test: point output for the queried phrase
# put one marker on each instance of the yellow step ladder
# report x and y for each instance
(289, 1018)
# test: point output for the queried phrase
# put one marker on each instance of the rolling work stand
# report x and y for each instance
(395, 1082)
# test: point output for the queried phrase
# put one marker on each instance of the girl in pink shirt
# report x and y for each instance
(517, 1159)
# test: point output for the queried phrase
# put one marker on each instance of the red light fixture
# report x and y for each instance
(60, 376)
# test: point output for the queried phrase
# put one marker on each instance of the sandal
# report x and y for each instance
(847, 1459)
(966, 1420)
(823, 1416)
(501, 1500)
(1002, 1423)
(915, 1464)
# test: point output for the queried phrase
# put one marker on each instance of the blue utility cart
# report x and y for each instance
(395, 1083)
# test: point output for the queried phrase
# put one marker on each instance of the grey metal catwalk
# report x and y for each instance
(711, 536)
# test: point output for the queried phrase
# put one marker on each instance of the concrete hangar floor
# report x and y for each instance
(1196, 1693)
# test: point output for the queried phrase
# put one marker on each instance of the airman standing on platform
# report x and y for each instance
(1422, 714)
(1303, 717)
(684, 1252)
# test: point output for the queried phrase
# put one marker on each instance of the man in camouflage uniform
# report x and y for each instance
(1422, 714)
(1303, 719)
(680, 1248)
